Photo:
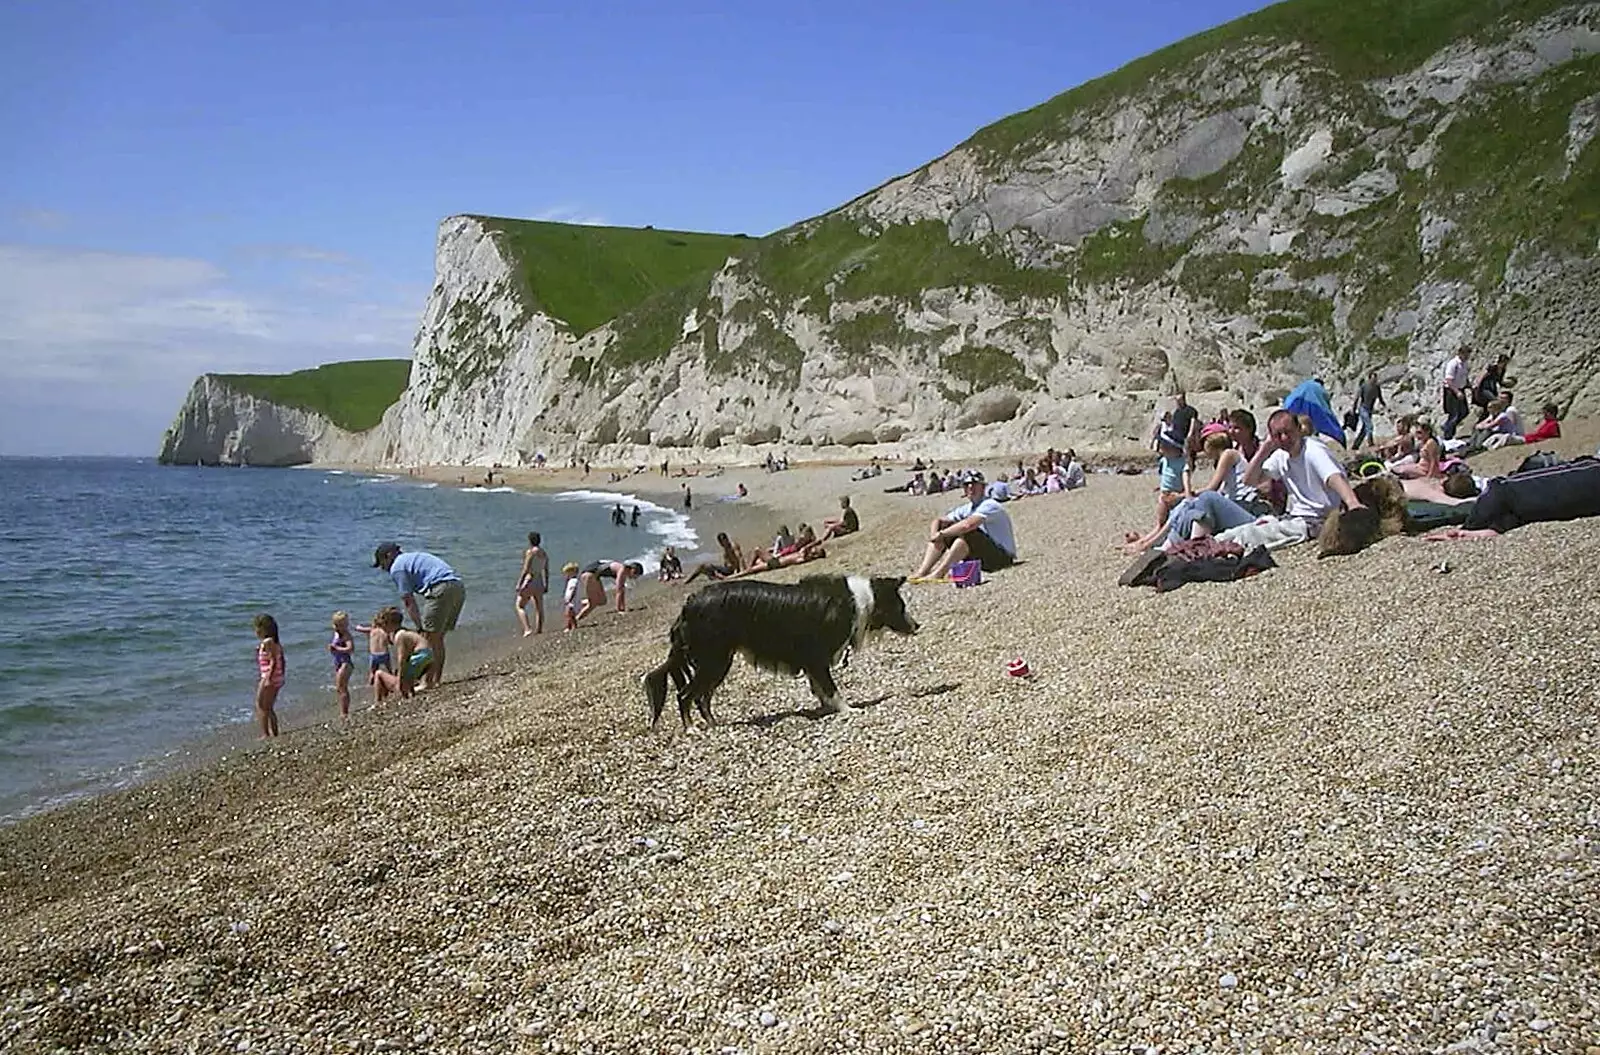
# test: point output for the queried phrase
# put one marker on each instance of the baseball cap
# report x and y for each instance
(385, 549)
(971, 476)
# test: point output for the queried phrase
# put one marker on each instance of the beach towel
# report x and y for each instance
(1311, 399)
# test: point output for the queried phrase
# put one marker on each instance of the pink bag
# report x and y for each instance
(966, 573)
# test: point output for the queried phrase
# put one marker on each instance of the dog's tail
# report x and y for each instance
(655, 690)
(676, 667)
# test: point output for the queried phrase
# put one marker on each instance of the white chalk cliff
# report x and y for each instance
(220, 425)
(1230, 225)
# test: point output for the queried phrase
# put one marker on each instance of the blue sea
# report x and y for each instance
(128, 589)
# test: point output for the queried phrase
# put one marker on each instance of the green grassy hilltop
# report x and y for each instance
(586, 275)
(353, 395)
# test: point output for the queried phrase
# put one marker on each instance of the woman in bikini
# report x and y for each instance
(1429, 456)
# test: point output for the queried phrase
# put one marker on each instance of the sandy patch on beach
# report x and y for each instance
(1345, 805)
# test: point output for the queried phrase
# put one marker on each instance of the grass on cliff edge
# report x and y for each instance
(352, 395)
(1359, 39)
(586, 276)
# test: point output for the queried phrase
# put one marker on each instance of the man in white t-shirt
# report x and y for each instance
(978, 529)
(1454, 393)
(1316, 484)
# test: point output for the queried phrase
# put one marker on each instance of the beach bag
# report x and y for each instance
(966, 573)
(1538, 460)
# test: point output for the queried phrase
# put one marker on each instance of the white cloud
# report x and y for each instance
(309, 254)
(41, 219)
(87, 329)
(571, 214)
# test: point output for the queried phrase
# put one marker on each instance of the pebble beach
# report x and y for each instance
(1348, 805)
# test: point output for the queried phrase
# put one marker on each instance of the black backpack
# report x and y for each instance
(1539, 460)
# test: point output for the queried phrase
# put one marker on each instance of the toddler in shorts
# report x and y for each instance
(571, 600)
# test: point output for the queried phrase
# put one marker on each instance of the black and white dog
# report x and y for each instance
(801, 628)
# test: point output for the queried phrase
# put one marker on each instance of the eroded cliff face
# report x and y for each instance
(1232, 227)
(219, 425)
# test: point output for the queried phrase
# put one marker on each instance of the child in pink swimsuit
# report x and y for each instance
(270, 661)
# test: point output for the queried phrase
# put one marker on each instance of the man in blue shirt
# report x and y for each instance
(979, 529)
(442, 593)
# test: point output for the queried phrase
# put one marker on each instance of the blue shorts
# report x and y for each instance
(379, 661)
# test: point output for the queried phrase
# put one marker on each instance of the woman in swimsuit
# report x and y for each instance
(764, 560)
(594, 591)
(532, 581)
(1429, 456)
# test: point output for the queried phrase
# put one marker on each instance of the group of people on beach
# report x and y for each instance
(1291, 481)
(399, 660)
(1216, 479)
(786, 550)
(585, 590)
(1053, 472)
(1285, 489)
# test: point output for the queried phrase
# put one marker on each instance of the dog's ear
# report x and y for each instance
(899, 581)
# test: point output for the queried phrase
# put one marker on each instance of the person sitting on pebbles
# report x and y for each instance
(979, 529)
(1547, 429)
(732, 561)
(671, 565)
(1430, 456)
(846, 523)
(805, 537)
(1316, 484)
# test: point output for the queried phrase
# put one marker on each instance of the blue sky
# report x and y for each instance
(240, 186)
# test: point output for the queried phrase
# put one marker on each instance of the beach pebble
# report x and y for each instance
(506, 863)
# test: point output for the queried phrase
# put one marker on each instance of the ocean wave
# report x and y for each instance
(675, 530)
(610, 498)
(380, 479)
(480, 490)
(672, 527)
